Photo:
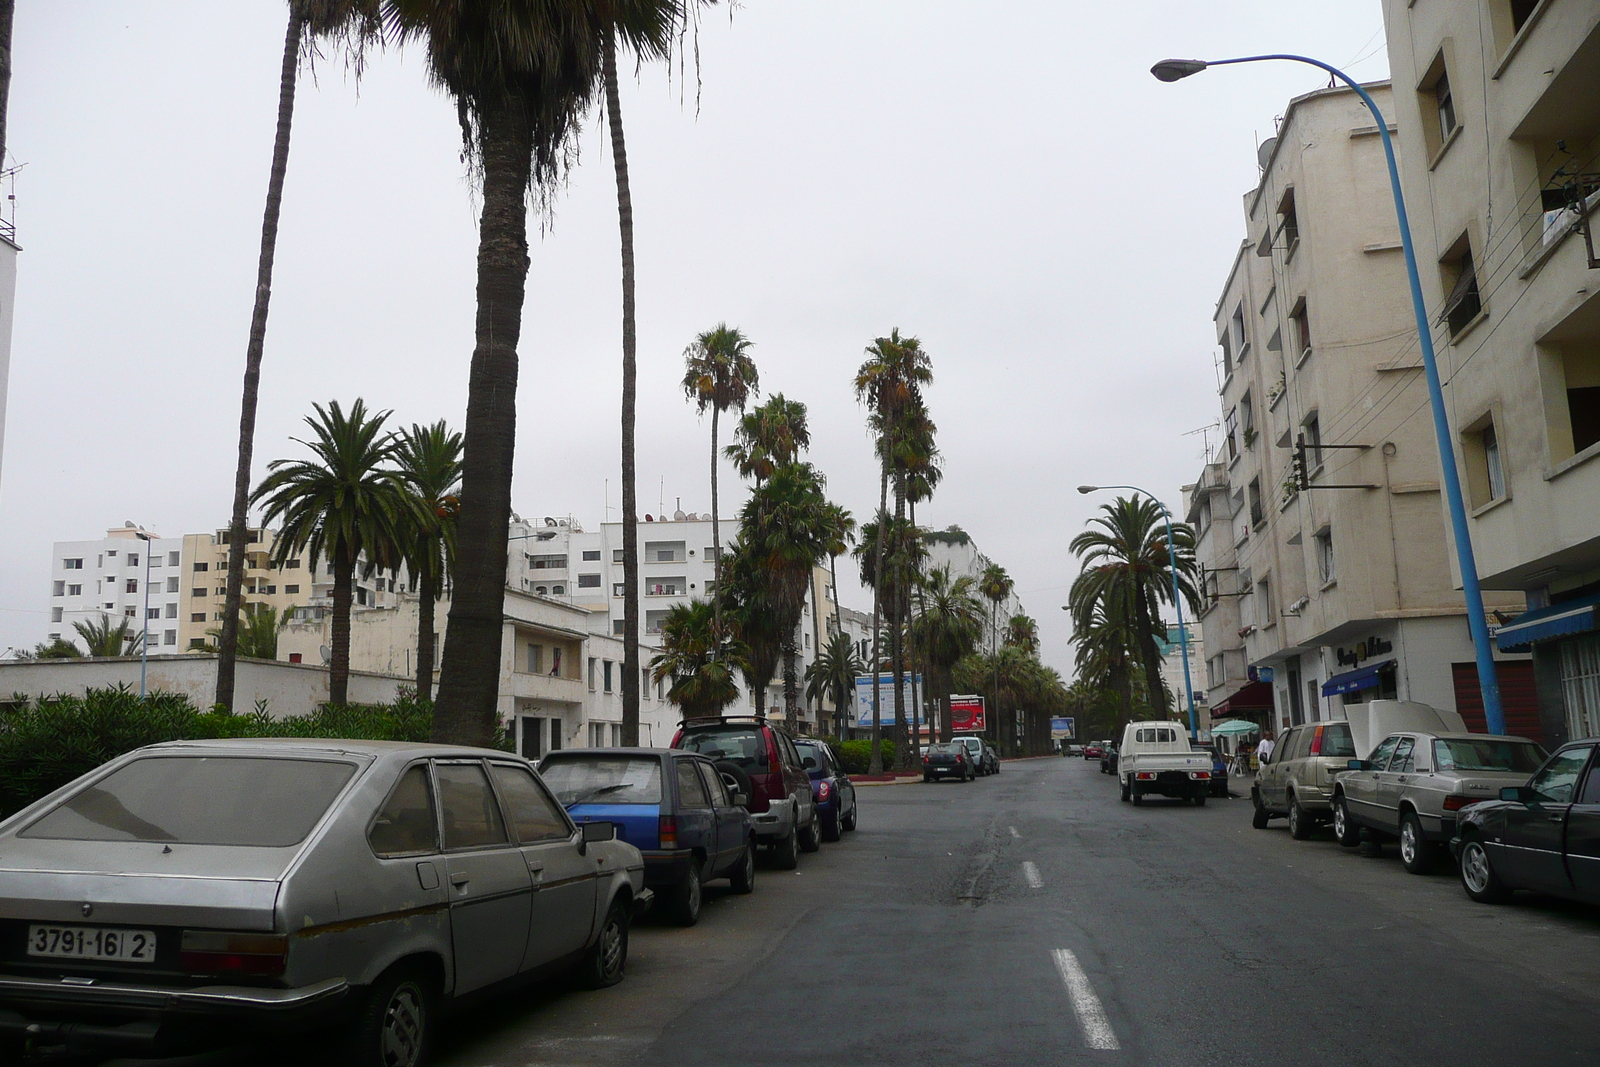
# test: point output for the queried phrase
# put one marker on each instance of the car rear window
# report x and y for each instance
(200, 800)
(1336, 741)
(947, 750)
(603, 779)
(743, 745)
(1462, 754)
(816, 752)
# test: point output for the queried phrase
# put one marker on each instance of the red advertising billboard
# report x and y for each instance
(966, 714)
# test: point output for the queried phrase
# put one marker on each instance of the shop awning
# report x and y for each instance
(1557, 620)
(1350, 681)
(1234, 727)
(1256, 696)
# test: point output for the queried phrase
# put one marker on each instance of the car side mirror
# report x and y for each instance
(1359, 765)
(810, 762)
(599, 831)
(1519, 794)
(740, 800)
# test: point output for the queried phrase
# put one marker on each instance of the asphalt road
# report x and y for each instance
(1032, 919)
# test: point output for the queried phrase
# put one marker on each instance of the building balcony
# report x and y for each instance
(525, 686)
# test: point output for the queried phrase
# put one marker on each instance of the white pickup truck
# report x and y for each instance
(1156, 757)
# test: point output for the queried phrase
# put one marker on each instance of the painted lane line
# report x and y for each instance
(1097, 1032)
(1031, 873)
(1013, 830)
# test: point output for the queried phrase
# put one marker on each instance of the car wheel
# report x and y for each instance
(786, 853)
(743, 879)
(394, 1022)
(1260, 816)
(1138, 797)
(811, 836)
(1299, 825)
(607, 959)
(1416, 851)
(1344, 827)
(848, 823)
(830, 826)
(1200, 799)
(1126, 790)
(1477, 874)
(685, 907)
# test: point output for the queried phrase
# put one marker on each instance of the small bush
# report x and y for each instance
(46, 743)
(857, 755)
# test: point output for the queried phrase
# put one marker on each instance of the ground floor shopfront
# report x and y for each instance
(1564, 639)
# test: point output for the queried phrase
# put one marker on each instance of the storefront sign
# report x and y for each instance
(966, 714)
(1372, 646)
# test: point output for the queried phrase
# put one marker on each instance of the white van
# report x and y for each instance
(1156, 757)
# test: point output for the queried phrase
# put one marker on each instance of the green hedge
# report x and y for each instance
(46, 743)
(857, 755)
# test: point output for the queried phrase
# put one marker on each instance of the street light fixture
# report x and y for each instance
(1171, 70)
(1177, 595)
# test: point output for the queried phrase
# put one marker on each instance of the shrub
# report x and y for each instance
(857, 755)
(46, 743)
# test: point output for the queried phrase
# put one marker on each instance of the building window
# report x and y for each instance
(618, 589)
(541, 590)
(653, 621)
(1247, 420)
(1494, 472)
(1264, 614)
(592, 668)
(291, 590)
(1580, 389)
(1240, 345)
(133, 585)
(58, 588)
(1313, 440)
(591, 555)
(111, 553)
(664, 551)
(665, 587)
(1444, 102)
(616, 555)
(1464, 303)
(608, 675)
(535, 659)
(55, 614)
(588, 581)
(171, 610)
(1227, 353)
(295, 657)
(619, 626)
(199, 642)
(200, 568)
(558, 590)
(1300, 330)
(172, 585)
(1580, 685)
(548, 563)
(198, 616)
(133, 559)
(1257, 516)
(74, 590)
(1232, 423)
(197, 592)
(72, 564)
(291, 565)
(172, 559)
(169, 637)
(155, 559)
(1324, 542)
(710, 554)
(222, 590)
(597, 735)
(1215, 674)
(1437, 102)
(1289, 224)
(152, 613)
(644, 683)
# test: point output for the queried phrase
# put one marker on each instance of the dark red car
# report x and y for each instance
(759, 760)
(1093, 750)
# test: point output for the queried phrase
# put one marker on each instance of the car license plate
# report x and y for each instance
(92, 943)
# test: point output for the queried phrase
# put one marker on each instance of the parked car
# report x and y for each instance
(1296, 780)
(1155, 757)
(831, 788)
(947, 761)
(759, 760)
(1108, 760)
(203, 892)
(983, 754)
(672, 806)
(1414, 785)
(1094, 749)
(1219, 770)
(1542, 835)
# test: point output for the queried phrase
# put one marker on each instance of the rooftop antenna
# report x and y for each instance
(661, 501)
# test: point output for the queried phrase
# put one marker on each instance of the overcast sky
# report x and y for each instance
(1007, 183)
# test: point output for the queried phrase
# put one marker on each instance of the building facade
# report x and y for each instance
(129, 574)
(1319, 520)
(1498, 108)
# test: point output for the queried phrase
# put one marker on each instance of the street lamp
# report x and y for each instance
(1177, 595)
(144, 640)
(1171, 70)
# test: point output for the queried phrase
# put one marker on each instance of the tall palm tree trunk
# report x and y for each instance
(716, 534)
(838, 627)
(344, 574)
(816, 635)
(630, 503)
(791, 680)
(897, 631)
(875, 765)
(919, 712)
(228, 640)
(427, 590)
(469, 680)
(1149, 653)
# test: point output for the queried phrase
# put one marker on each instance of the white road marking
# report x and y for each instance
(1097, 1032)
(1013, 830)
(1031, 873)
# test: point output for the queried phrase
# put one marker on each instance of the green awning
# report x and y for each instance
(1234, 726)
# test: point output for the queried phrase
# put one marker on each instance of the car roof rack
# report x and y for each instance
(704, 720)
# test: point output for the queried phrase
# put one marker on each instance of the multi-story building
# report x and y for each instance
(128, 574)
(1318, 519)
(1181, 678)
(1498, 107)
(954, 548)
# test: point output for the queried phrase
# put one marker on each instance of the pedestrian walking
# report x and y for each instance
(1264, 747)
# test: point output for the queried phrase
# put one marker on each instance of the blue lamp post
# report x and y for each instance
(1171, 70)
(1177, 595)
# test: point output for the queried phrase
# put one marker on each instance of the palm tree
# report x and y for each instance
(1023, 632)
(719, 374)
(768, 436)
(833, 673)
(996, 585)
(429, 459)
(522, 75)
(57, 648)
(699, 657)
(885, 538)
(343, 504)
(948, 627)
(1127, 573)
(258, 632)
(1104, 656)
(745, 608)
(359, 20)
(103, 639)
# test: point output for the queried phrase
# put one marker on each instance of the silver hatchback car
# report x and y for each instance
(191, 893)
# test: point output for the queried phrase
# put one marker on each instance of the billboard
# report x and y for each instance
(886, 694)
(966, 714)
(1063, 729)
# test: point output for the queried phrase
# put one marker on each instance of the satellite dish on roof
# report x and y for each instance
(325, 652)
(548, 521)
(1264, 152)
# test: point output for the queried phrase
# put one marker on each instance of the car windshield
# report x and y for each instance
(603, 779)
(743, 745)
(813, 752)
(1482, 754)
(200, 800)
(971, 744)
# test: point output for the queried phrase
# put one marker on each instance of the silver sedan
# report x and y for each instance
(194, 892)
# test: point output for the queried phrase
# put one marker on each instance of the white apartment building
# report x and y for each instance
(1498, 107)
(954, 548)
(1318, 520)
(128, 574)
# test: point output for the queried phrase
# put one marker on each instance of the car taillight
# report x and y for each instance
(1199, 774)
(1316, 742)
(824, 790)
(212, 951)
(772, 750)
(668, 832)
(1145, 776)
(961, 759)
(924, 759)
(1457, 803)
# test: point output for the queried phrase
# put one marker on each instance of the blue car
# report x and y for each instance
(1219, 770)
(672, 806)
(831, 788)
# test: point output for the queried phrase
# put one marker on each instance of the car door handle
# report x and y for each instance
(1555, 818)
(459, 880)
